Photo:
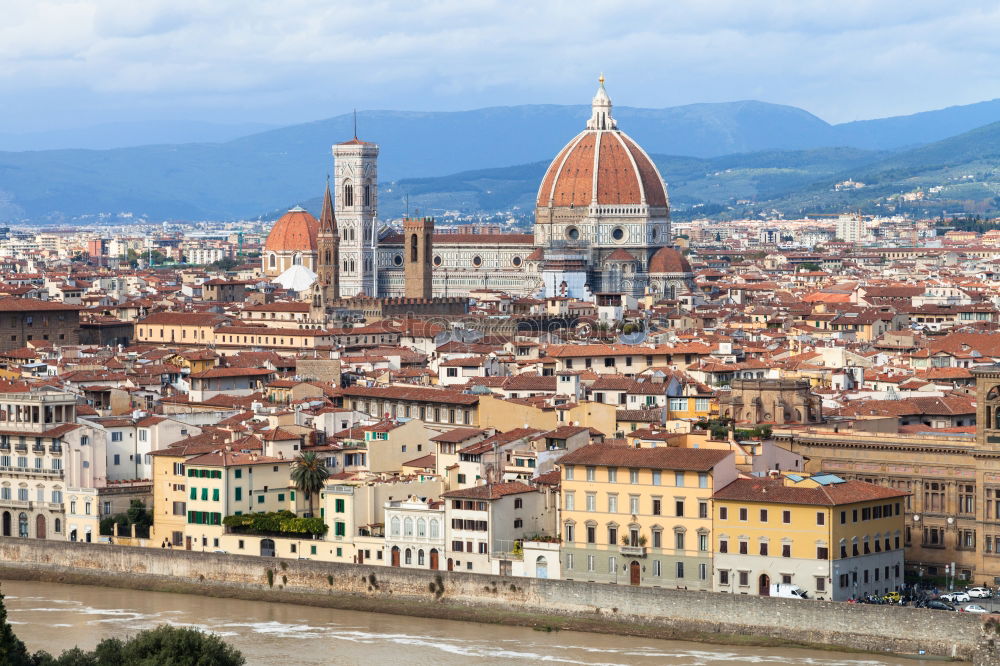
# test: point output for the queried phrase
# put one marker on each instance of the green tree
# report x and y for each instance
(12, 650)
(176, 646)
(309, 475)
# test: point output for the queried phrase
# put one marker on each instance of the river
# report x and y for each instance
(54, 617)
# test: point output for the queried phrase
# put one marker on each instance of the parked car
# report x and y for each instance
(954, 597)
(974, 608)
(934, 604)
(980, 593)
(894, 597)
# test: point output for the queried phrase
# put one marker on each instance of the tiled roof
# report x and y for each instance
(776, 491)
(490, 491)
(700, 460)
(457, 435)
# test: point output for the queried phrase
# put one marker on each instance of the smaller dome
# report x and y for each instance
(295, 231)
(669, 260)
(296, 278)
(620, 255)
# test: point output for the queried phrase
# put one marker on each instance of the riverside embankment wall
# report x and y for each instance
(654, 612)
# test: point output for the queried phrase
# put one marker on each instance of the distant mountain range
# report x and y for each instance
(491, 159)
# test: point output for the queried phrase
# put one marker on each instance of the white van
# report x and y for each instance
(787, 591)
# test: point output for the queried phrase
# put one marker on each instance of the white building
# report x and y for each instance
(415, 533)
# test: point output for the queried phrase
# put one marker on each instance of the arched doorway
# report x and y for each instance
(395, 556)
(541, 567)
(22, 525)
(634, 573)
(451, 564)
(267, 547)
(434, 558)
(764, 585)
(39, 526)
(6, 523)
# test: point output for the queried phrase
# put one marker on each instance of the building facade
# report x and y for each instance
(641, 516)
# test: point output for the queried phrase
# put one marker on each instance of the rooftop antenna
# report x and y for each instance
(355, 123)
(406, 198)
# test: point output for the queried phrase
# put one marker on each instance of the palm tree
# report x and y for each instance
(310, 475)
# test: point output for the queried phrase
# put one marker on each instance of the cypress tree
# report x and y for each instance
(12, 650)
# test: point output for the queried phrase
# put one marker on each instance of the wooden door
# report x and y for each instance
(40, 526)
(361, 557)
(451, 564)
(764, 586)
(434, 559)
(634, 573)
(187, 543)
(6, 523)
(395, 556)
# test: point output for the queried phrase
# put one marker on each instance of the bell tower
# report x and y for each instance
(327, 287)
(356, 185)
(417, 252)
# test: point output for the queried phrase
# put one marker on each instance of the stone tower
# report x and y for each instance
(327, 288)
(417, 252)
(356, 183)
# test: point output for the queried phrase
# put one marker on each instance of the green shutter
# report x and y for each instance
(194, 493)
(239, 494)
(338, 505)
(204, 494)
(260, 499)
(281, 497)
(215, 494)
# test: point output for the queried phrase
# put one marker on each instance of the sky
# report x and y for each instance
(75, 63)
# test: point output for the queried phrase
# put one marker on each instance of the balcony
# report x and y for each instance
(38, 448)
(55, 448)
(633, 551)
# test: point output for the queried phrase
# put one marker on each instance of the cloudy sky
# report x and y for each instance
(75, 63)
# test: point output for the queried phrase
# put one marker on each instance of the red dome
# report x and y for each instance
(625, 174)
(295, 231)
(668, 260)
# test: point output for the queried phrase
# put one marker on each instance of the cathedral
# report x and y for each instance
(602, 224)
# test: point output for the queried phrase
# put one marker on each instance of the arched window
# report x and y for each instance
(413, 248)
(394, 529)
(58, 525)
(421, 528)
(22, 525)
(420, 553)
(272, 260)
(298, 259)
(435, 528)
(348, 195)
(368, 195)
(408, 556)
(408, 527)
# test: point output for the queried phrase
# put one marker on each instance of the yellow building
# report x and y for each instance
(832, 539)
(194, 489)
(190, 328)
(641, 516)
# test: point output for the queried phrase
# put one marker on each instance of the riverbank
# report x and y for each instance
(541, 604)
(57, 617)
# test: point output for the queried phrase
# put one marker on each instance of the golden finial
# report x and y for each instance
(601, 79)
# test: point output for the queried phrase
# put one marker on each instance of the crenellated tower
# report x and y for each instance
(417, 252)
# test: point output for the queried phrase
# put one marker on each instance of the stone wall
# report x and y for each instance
(653, 612)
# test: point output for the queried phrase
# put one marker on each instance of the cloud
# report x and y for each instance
(297, 59)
